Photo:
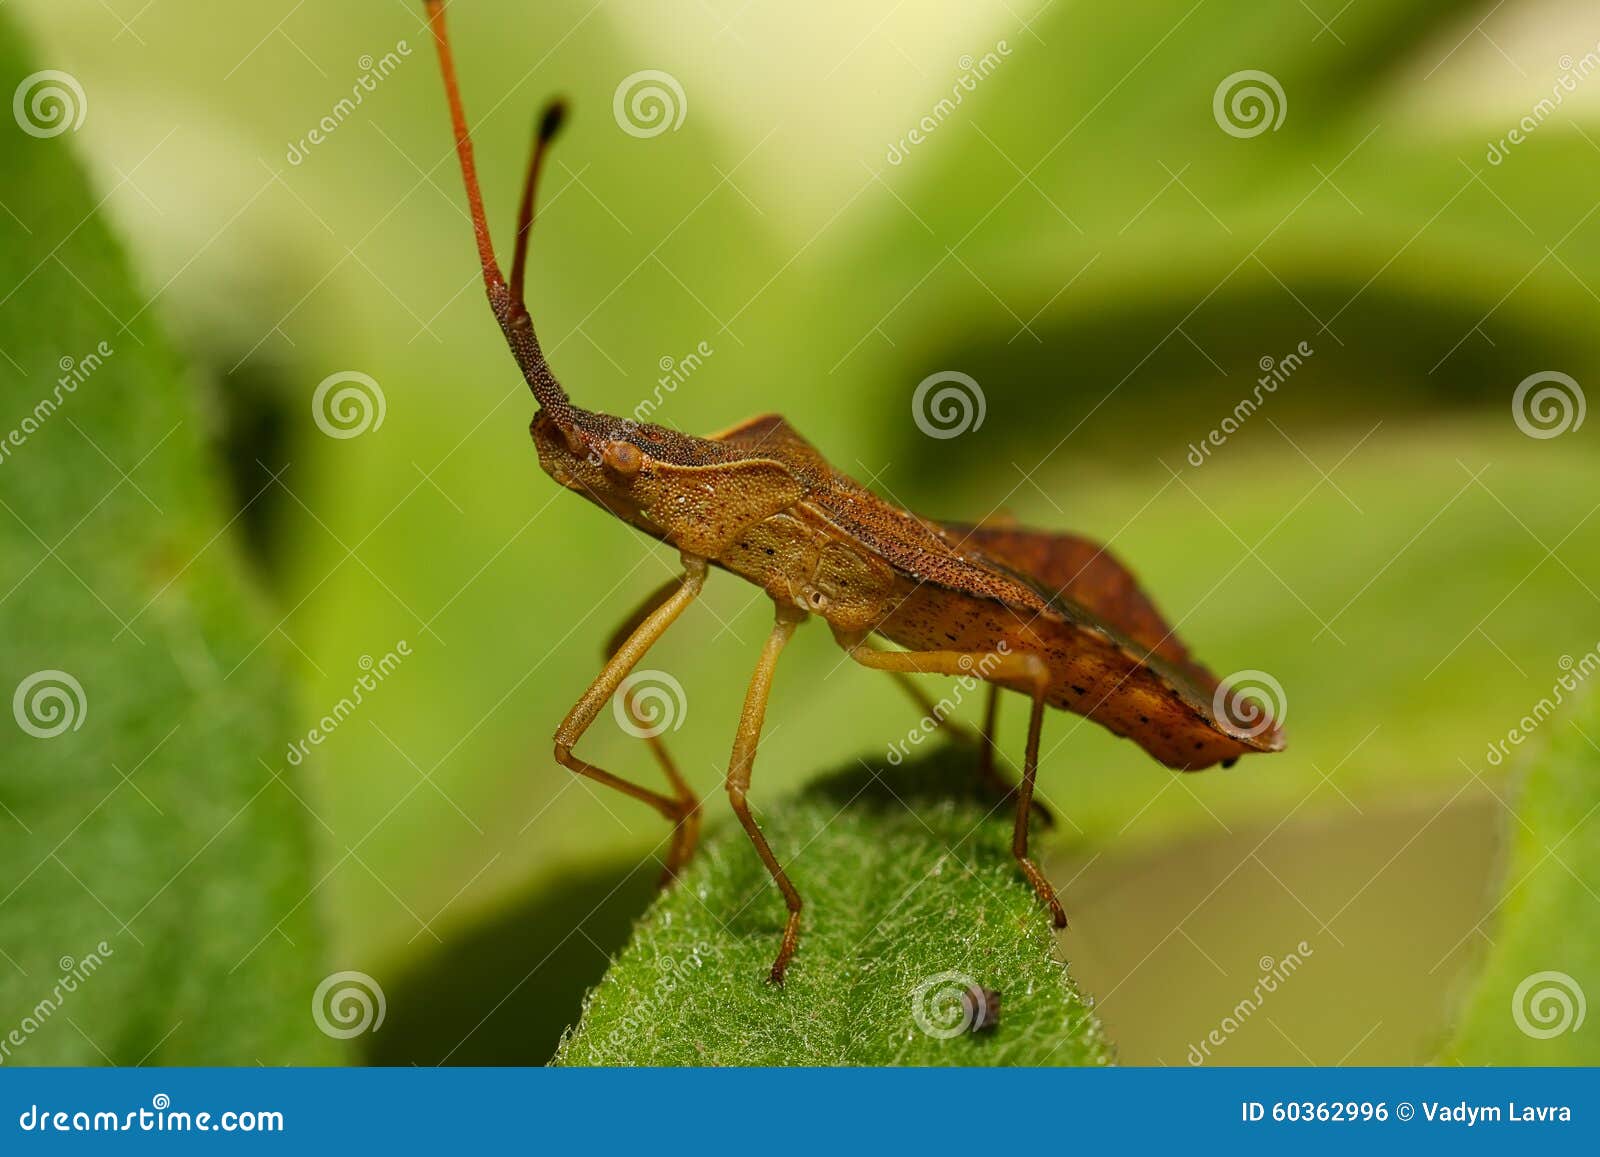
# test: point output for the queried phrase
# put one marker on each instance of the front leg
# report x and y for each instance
(683, 811)
(686, 832)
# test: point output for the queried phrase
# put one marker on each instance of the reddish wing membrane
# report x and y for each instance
(1082, 571)
(1076, 574)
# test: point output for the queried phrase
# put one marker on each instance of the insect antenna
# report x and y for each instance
(550, 121)
(506, 301)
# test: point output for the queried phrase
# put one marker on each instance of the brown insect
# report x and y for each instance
(1051, 616)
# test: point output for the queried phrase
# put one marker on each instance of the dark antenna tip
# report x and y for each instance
(551, 120)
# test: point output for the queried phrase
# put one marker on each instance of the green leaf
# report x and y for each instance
(154, 904)
(1530, 1004)
(913, 904)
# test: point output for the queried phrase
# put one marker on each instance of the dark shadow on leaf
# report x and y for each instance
(940, 773)
(1129, 381)
(502, 993)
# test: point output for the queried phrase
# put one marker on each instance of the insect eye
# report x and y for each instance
(622, 459)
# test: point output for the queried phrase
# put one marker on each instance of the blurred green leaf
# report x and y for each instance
(914, 903)
(1530, 1006)
(156, 872)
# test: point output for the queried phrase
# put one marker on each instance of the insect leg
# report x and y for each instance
(686, 833)
(744, 754)
(988, 776)
(680, 810)
(991, 718)
(1019, 834)
(1004, 669)
(986, 754)
(930, 709)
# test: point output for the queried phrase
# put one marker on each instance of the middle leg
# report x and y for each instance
(739, 768)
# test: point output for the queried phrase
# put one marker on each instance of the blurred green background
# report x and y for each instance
(1079, 235)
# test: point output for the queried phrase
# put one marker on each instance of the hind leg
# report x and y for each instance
(1008, 669)
(988, 775)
